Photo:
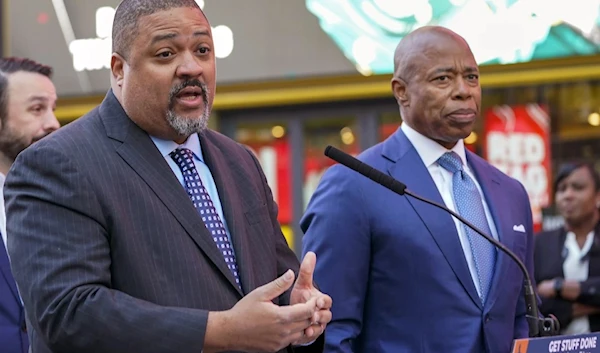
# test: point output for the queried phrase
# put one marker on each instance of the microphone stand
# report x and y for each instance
(538, 326)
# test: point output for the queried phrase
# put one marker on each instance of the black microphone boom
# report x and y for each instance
(537, 326)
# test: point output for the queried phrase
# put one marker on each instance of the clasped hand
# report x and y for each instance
(260, 325)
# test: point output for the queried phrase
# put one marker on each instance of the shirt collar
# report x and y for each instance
(429, 150)
(167, 146)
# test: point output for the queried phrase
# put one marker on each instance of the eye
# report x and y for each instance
(37, 109)
(442, 78)
(473, 77)
(204, 50)
(165, 54)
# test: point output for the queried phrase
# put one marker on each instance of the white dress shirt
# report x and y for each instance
(576, 268)
(430, 151)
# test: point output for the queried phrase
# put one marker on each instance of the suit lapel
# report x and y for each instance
(138, 151)
(498, 203)
(223, 170)
(6, 272)
(407, 166)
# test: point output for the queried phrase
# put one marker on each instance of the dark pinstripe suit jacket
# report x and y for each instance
(109, 253)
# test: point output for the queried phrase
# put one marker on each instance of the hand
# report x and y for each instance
(571, 290)
(546, 289)
(580, 310)
(256, 324)
(304, 291)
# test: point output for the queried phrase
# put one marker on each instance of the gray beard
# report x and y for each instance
(186, 126)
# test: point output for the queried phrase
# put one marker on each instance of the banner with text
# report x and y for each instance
(517, 141)
(587, 343)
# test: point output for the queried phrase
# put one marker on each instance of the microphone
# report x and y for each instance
(537, 326)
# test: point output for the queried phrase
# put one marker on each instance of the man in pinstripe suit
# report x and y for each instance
(137, 229)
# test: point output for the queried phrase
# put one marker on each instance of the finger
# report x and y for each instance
(297, 331)
(324, 317)
(307, 268)
(324, 301)
(313, 332)
(299, 326)
(275, 288)
(298, 312)
(298, 338)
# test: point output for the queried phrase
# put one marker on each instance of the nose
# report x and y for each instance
(190, 66)
(50, 123)
(462, 90)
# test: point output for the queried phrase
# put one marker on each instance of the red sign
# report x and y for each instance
(274, 159)
(517, 141)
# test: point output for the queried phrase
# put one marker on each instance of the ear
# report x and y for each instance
(117, 68)
(399, 88)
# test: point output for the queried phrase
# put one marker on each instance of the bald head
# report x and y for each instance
(436, 84)
(413, 46)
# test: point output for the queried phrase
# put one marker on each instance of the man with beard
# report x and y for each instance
(27, 102)
(137, 229)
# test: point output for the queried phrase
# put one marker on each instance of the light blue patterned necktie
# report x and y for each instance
(469, 206)
(184, 158)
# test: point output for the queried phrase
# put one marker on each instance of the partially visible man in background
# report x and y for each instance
(27, 102)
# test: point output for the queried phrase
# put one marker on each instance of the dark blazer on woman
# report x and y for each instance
(549, 256)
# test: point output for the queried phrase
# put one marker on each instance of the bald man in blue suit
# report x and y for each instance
(405, 276)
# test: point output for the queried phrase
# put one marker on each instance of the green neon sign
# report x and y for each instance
(498, 31)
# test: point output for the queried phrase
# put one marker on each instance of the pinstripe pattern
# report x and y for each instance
(110, 254)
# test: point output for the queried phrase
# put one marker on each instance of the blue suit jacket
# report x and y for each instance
(12, 338)
(394, 265)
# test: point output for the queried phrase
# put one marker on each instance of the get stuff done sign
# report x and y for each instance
(559, 344)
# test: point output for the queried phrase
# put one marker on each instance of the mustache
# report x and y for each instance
(188, 83)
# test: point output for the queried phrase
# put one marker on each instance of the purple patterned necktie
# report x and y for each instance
(184, 158)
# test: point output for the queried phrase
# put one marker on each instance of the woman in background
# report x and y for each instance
(567, 260)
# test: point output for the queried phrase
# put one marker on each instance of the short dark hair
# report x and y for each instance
(10, 66)
(128, 14)
(568, 168)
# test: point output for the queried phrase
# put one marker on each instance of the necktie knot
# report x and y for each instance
(451, 162)
(183, 157)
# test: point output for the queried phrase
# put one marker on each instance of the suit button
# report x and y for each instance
(24, 327)
(487, 318)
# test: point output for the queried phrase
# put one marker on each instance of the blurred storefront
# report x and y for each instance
(300, 75)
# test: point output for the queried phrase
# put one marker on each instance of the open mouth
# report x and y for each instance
(191, 97)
